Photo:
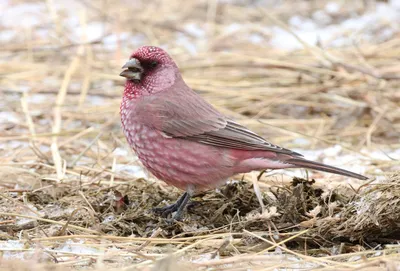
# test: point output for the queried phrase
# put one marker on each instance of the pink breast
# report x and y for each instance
(180, 162)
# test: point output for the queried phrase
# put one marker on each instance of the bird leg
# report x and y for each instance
(179, 206)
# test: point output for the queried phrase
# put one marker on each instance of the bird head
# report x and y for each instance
(149, 70)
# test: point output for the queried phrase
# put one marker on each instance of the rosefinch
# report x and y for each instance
(183, 140)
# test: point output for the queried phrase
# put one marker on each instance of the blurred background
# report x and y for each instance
(320, 77)
(309, 75)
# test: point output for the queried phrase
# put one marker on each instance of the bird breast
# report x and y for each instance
(179, 162)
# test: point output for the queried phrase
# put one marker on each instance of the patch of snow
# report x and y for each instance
(93, 31)
(111, 41)
(137, 40)
(121, 152)
(77, 247)
(333, 151)
(43, 122)
(310, 154)
(6, 117)
(55, 211)
(134, 171)
(256, 38)
(298, 264)
(108, 219)
(332, 7)
(37, 98)
(12, 245)
(233, 28)
(7, 35)
(13, 144)
(385, 155)
(96, 100)
(204, 257)
(302, 23)
(195, 30)
(188, 44)
(26, 211)
(321, 17)
(27, 14)
(375, 25)
(302, 141)
(395, 4)
(284, 40)
(51, 81)
(44, 148)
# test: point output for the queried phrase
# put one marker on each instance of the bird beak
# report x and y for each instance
(133, 70)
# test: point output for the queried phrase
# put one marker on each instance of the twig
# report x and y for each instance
(49, 221)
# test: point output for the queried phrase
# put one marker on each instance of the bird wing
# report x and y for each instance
(236, 136)
(178, 114)
(184, 114)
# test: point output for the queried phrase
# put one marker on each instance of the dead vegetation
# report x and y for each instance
(72, 195)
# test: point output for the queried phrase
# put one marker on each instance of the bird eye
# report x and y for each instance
(154, 64)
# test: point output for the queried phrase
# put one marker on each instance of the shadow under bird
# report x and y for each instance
(183, 140)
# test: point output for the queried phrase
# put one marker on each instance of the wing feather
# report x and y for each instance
(181, 113)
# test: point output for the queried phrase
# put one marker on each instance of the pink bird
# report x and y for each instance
(183, 140)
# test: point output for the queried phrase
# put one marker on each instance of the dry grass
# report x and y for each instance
(70, 196)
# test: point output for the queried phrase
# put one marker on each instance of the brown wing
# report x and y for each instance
(236, 136)
(181, 113)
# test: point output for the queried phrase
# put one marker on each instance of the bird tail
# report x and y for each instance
(299, 162)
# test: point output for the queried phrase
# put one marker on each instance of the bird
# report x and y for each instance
(186, 142)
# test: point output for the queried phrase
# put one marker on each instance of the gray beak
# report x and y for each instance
(133, 70)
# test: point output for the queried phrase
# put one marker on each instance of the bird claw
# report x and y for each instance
(179, 206)
(165, 211)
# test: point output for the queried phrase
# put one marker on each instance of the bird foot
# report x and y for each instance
(166, 210)
(178, 207)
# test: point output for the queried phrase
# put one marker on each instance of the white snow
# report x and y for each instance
(376, 25)
(27, 211)
(8, 117)
(10, 249)
(108, 219)
(77, 247)
(93, 31)
(195, 30)
(185, 42)
(332, 7)
(7, 35)
(134, 171)
(24, 15)
(121, 152)
(37, 98)
(395, 4)
(321, 17)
